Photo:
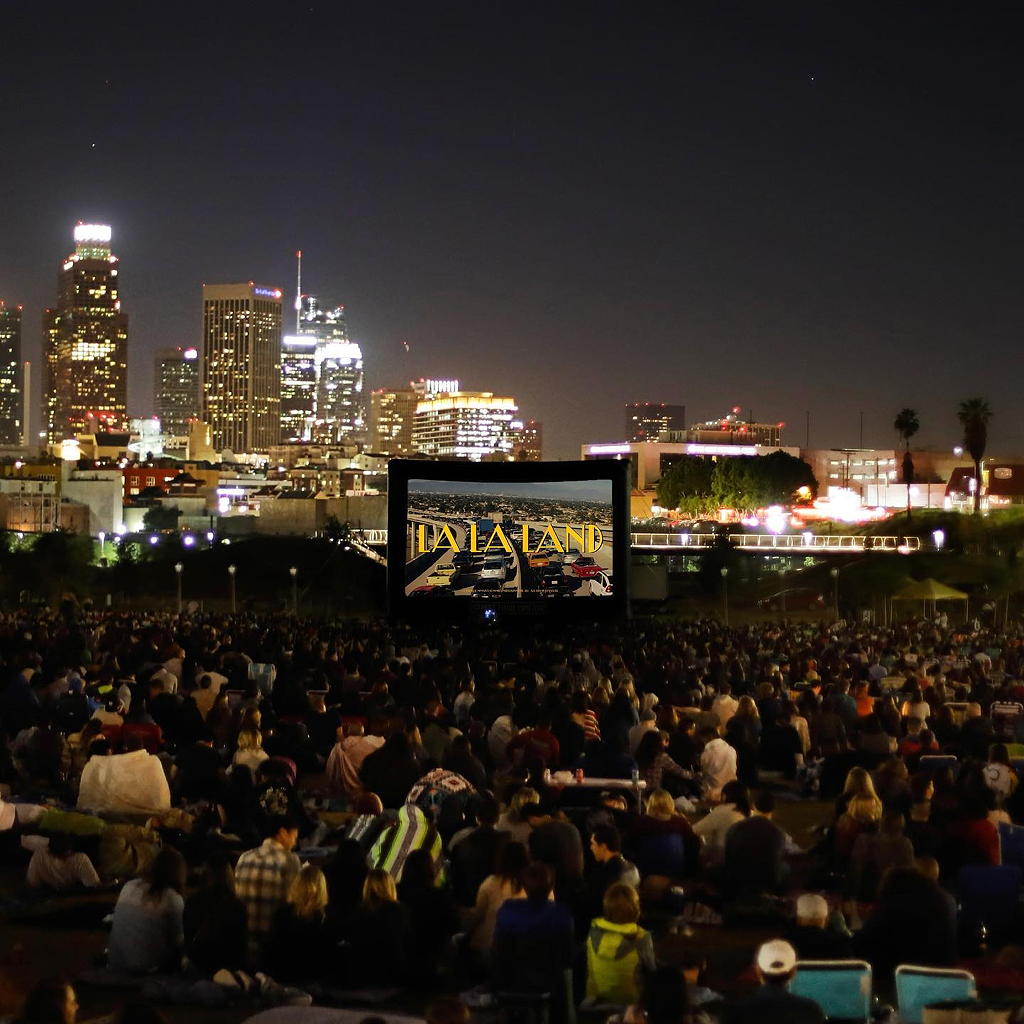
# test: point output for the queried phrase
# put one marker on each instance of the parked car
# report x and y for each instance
(494, 569)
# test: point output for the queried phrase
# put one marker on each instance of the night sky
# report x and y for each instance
(781, 206)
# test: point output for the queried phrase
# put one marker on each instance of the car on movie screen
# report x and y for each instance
(463, 559)
(494, 569)
(425, 591)
(585, 567)
(598, 586)
(438, 579)
(448, 570)
(538, 560)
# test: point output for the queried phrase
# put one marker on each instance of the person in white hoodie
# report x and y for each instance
(717, 764)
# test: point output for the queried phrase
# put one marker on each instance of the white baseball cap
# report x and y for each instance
(776, 957)
(811, 906)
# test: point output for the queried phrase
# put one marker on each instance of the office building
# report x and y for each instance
(463, 424)
(11, 394)
(527, 441)
(298, 386)
(340, 400)
(85, 343)
(241, 366)
(392, 411)
(647, 421)
(176, 389)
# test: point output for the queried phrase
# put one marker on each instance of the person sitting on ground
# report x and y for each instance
(811, 936)
(755, 852)
(717, 764)
(913, 921)
(59, 867)
(617, 948)
(861, 816)
(608, 868)
(433, 918)
(300, 946)
(472, 853)
(146, 934)
(49, 1001)
(249, 752)
(874, 853)
(214, 921)
(504, 884)
(656, 766)
(380, 935)
(712, 830)
(661, 841)
(999, 773)
(772, 1002)
(533, 942)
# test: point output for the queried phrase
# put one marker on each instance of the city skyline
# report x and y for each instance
(751, 205)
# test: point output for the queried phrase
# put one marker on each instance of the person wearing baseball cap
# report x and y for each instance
(772, 1002)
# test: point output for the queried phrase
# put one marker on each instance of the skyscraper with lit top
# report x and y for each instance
(85, 342)
(241, 365)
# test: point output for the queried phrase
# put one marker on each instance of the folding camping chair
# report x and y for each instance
(841, 988)
(918, 987)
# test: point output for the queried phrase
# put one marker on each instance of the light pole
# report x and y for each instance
(178, 570)
(834, 573)
(725, 594)
(294, 573)
(231, 574)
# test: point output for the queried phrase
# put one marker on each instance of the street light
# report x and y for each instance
(294, 573)
(834, 573)
(178, 570)
(725, 594)
(103, 540)
(231, 574)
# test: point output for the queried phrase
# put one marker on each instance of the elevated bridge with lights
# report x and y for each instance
(766, 543)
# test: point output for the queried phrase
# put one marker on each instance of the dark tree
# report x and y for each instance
(974, 414)
(907, 426)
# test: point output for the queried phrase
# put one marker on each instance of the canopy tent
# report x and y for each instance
(929, 590)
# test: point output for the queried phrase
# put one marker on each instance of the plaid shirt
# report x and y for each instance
(262, 878)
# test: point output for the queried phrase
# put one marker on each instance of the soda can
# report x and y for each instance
(579, 774)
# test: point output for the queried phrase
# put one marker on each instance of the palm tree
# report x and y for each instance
(907, 426)
(974, 414)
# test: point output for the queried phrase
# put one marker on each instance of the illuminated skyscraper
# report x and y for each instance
(340, 380)
(527, 441)
(241, 365)
(176, 388)
(11, 411)
(85, 343)
(464, 424)
(298, 386)
(391, 415)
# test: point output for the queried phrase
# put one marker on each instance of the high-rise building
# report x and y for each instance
(298, 386)
(85, 343)
(391, 416)
(241, 365)
(645, 421)
(340, 399)
(463, 424)
(11, 410)
(527, 441)
(176, 389)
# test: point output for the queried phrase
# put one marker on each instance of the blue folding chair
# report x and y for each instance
(989, 895)
(1011, 844)
(841, 988)
(918, 987)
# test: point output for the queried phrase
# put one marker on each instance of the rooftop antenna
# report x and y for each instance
(298, 294)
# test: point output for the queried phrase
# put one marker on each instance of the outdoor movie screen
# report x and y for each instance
(508, 540)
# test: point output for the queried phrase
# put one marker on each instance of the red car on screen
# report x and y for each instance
(585, 568)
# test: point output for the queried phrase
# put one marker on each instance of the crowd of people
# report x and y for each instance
(313, 808)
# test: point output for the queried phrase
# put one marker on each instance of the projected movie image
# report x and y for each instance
(509, 540)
